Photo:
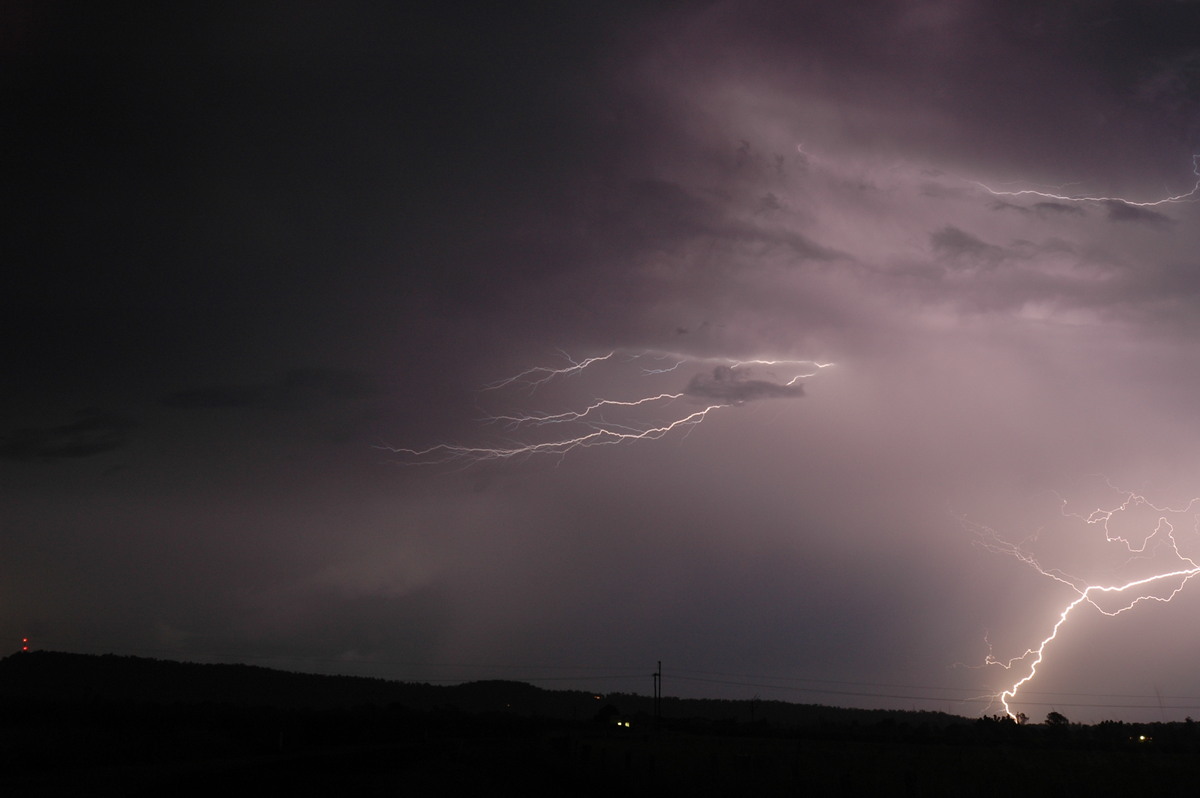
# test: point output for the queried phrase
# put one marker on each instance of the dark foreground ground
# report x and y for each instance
(586, 763)
(97, 737)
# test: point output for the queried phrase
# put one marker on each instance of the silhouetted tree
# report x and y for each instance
(607, 715)
(1057, 719)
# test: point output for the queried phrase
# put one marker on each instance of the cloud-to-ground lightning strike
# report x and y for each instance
(729, 382)
(1190, 196)
(1111, 598)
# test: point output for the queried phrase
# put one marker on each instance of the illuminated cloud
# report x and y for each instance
(730, 385)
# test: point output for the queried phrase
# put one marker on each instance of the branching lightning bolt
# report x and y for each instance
(540, 375)
(538, 419)
(732, 382)
(1190, 196)
(1110, 599)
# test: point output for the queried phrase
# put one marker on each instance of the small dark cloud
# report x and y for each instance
(95, 432)
(728, 385)
(951, 242)
(768, 203)
(1001, 205)
(1057, 208)
(1043, 209)
(1123, 212)
(802, 246)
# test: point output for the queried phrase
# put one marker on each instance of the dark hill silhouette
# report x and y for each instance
(74, 724)
(58, 677)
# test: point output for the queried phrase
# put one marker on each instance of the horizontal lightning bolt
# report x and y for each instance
(666, 370)
(1189, 196)
(1131, 593)
(603, 436)
(576, 415)
(540, 375)
(729, 385)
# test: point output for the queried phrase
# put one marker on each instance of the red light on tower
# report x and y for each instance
(24, 643)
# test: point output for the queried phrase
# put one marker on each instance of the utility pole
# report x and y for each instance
(658, 694)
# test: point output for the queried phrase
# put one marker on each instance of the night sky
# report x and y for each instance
(256, 251)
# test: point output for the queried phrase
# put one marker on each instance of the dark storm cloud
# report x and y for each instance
(434, 193)
(923, 76)
(95, 432)
(216, 396)
(658, 213)
(658, 208)
(329, 382)
(728, 385)
(1124, 212)
(296, 385)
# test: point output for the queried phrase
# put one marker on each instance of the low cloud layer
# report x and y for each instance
(296, 385)
(93, 432)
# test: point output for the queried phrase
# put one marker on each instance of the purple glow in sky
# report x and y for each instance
(253, 248)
